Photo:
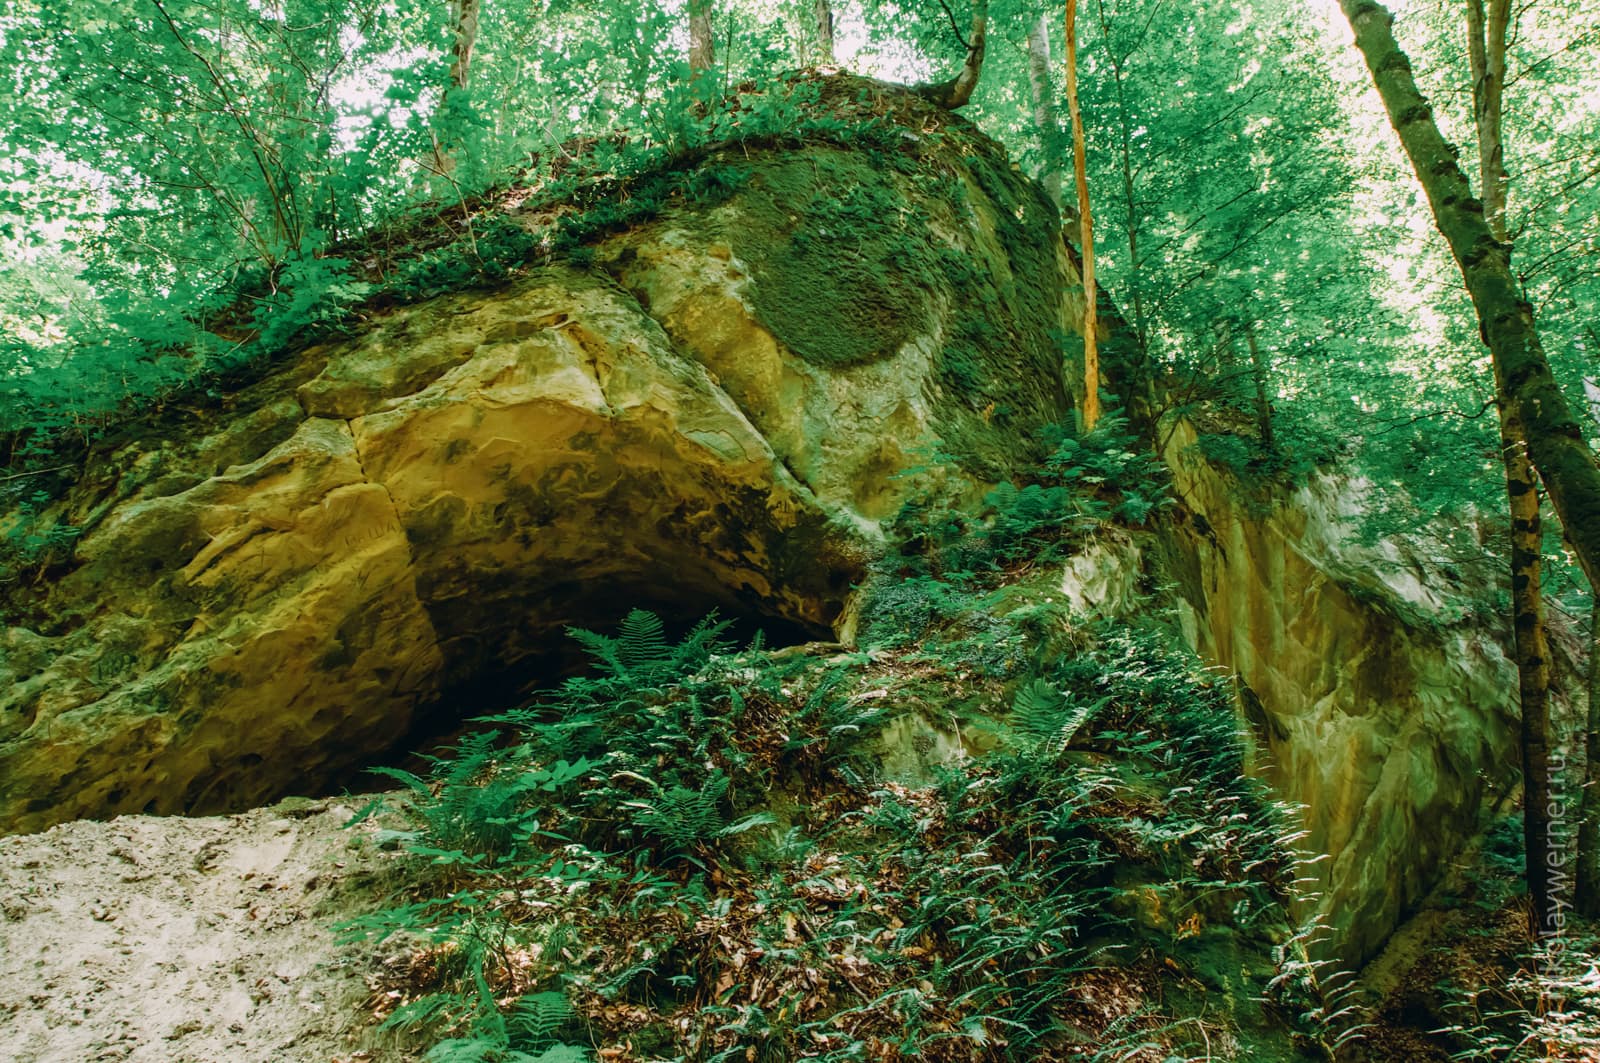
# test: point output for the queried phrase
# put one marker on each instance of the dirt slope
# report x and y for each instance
(174, 940)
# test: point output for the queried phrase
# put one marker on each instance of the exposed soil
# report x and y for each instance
(174, 940)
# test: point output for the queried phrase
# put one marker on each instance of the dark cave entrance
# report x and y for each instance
(493, 671)
(479, 619)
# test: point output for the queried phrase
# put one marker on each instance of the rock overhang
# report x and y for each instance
(386, 529)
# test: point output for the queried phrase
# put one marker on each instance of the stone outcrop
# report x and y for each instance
(713, 408)
(1376, 684)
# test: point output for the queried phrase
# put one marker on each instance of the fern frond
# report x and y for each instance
(684, 818)
(1037, 708)
(537, 1019)
(470, 759)
(416, 784)
(602, 650)
(759, 819)
(424, 1011)
(557, 1054)
(642, 643)
(698, 646)
(1050, 718)
(465, 1050)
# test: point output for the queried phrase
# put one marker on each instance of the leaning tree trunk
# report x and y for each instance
(1556, 445)
(1044, 107)
(958, 90)
(1091, 324)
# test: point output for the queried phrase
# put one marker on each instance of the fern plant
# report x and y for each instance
(888, 921)
(538, 1019)
(640, 655)
(687, 819)
(1049, 718)
(480, 803)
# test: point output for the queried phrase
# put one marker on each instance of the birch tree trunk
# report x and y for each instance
(1044, 107)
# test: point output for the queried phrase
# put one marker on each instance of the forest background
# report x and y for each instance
(189, 188)
(190, 185)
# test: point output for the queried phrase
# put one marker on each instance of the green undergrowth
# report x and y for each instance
(700, 853)
(1474, 986)
(1263, 467)
(208, 340)
(556, 208)
(950, 551)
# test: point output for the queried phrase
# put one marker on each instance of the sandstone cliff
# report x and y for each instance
(714, 407)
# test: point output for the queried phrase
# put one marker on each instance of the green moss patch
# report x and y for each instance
(844, 263)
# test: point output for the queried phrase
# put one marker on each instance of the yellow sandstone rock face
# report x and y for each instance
(396, 527)
(1382, 703)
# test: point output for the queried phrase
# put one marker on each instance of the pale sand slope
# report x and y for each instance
(174, 940)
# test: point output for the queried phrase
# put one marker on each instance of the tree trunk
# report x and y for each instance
(702, 50)
(1091, 324)
(1044, 107)
(1587, 879)
(1259, 370)
(958, 90)
(1587, 890)
(1486, 53)
(824, 16)
(1141, 328)
(1567, 466)
(464, 36)
(1532, 652)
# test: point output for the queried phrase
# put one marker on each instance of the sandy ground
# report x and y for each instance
(173, 940)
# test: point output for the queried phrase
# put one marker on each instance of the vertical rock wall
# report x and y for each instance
(1378, 702)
